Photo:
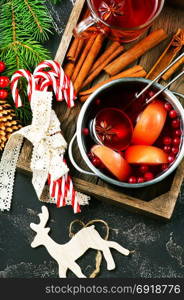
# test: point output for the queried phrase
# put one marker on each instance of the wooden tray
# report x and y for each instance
(157, 200)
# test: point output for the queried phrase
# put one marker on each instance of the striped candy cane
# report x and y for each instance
(62, 85)
(53, 65)
(61, 190)
(14, 83)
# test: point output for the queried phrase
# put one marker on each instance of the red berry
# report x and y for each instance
(96, 162)
(4, 81)
(85, 131)
(132, 179)
(168, 106)
(151, 93)
(176, 141)
(167, 149)
(2, 66)
(175, 150)
(148, 176)
(140, 179)
(177, 132)
(164, 167)
(97, 101)
(171, 158)
(143, 169)
(175, 123)
(167, 140)
(3, 94)
(173, 114)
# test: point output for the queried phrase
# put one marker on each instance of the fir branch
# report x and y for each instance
(18, 48)
(37, 22)
(15, 49)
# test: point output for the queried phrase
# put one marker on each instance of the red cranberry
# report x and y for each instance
(171, 158)
(167, 140)
(176, 141)
(2, 66)
(175, 123)
(168, 106)
(140, 179)
(175, 150)
(151, 93)
(143, 169)
(132, 179)
(96, 162)
(85, 131)
(148, 176)
(164, 167)
(3, 94)
(97, 101)
(4, 81)
(173, 114)
(167, 149)
(177, 132)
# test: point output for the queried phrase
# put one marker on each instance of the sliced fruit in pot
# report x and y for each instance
(113, 161)
(150, 124)
(141, 154)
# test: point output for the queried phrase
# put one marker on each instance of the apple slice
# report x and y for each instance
(113, 161)
(141, 154)
(149, 124)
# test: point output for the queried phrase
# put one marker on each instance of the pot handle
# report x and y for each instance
(72, 159)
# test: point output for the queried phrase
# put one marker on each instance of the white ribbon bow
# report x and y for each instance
(48, 150)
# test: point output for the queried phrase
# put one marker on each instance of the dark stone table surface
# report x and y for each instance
(159, 247)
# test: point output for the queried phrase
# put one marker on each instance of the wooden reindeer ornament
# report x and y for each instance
(67, 254)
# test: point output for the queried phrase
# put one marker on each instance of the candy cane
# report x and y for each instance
(14, 83)
(53, 65)
(63, 189)
(48, 79)
(62, 85)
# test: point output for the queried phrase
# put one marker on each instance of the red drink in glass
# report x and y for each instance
(123, 20)
(113, 128)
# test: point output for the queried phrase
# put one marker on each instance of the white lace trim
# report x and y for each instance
(48, 149)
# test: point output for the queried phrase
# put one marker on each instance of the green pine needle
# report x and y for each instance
(37, 22)
(23, 24)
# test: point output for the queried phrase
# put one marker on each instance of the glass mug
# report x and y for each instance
(122, 20)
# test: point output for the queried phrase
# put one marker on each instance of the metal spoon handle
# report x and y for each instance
(165, 70)
(162, 90)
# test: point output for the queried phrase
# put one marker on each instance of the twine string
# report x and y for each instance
(98, 258)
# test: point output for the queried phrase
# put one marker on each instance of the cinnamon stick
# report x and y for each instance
(79, 48)
(92, 54)
(84, 98)
(136, 51)
(136, 71)
(168, 55)
(97, 71)
(109, 51)
(83, 57)
(173, 69)
(68, 68)
(72, 51)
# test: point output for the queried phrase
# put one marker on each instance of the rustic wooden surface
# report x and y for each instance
(159, 245)
(158, 200)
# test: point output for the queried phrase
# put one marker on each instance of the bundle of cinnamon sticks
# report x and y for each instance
(85, 60)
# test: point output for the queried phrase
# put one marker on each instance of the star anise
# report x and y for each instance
(112, 9)
(104, 131)
(179, 40)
